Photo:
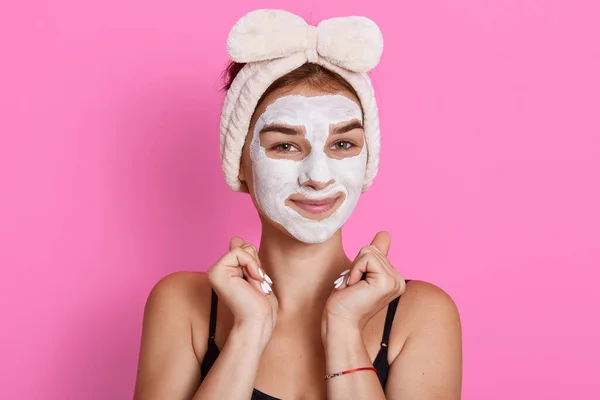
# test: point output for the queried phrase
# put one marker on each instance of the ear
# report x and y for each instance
(242, 173)
(242, 178)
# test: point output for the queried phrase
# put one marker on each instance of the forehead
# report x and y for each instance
(297, 109)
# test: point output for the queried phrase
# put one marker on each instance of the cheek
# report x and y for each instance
(275, 173)
(350, 171)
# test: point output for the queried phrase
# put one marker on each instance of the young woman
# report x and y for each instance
(295, 318)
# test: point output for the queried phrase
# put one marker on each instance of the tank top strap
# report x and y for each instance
(212, 327)
(389, 319)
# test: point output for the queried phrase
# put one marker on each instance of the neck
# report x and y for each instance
(303, 274)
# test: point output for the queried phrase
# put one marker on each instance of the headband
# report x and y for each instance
(273, 43)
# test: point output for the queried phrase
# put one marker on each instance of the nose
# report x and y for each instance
(315, 172)
(315, 185)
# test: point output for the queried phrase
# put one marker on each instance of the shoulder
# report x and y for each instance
(430, 359)
(168, 363)
(180, 290)
(424, 294)
(428, 304)
(425, 309)
(183, 297)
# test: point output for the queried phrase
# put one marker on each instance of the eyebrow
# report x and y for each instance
(280, 128)
(347, 128)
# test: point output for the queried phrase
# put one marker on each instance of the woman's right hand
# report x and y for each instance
(252, 302)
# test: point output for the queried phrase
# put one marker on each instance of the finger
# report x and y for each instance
(238, 258)
(367, 262)
(382, 241)
(260, 285)
(367, 249)
(246, 259)
(382, 258)
(252, 251)
(341, 281)
(265, 282)
(350, 277)
(246, 265)
(388, 270)
(236, 241)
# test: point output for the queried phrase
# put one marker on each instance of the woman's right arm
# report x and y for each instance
(168, 367)
(232, 376)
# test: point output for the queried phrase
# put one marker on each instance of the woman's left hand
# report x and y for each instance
(355, 301)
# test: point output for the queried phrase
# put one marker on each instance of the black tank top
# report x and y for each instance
(380, 363)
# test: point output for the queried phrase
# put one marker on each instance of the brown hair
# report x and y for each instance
(313, 75)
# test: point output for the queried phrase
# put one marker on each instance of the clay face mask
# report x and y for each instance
(275, 180)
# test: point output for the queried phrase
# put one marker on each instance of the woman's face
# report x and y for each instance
(304, 160)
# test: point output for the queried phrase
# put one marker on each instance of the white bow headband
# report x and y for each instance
(273, 43)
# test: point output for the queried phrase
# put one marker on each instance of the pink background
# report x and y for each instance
(110, 179)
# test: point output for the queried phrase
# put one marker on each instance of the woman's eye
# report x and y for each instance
(285, 147)
(342, 145)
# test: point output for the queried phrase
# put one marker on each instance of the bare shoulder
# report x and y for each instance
(180, 292)
(182, 288)
(429, 362)
(424, 309)
(181, 295)
(426, 304)
(423, 294)
(168, 365)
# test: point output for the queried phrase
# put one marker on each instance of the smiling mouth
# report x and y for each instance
(316, 209)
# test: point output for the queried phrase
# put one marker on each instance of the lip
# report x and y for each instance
(316, 207)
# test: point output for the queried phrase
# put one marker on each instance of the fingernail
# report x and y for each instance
(338, 282)
(348, 280)
(268, 279)
(345, 272)
(261, 273)
(265, 287)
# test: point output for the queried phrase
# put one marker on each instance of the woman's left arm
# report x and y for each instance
(353, 302)
(429, 366)
(344, 347)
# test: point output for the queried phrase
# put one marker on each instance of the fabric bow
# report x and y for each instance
(353, 43)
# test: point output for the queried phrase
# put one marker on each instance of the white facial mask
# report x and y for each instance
(277, 179)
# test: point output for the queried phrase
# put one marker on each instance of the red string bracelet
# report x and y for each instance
(349, 371)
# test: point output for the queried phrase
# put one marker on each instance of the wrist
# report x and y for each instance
(344, 347)
(251, 334)
(340, 332)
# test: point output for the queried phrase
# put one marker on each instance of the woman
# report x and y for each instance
(300, 134)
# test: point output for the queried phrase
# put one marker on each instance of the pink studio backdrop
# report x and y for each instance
(110, 179)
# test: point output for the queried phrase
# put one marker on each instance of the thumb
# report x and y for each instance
(382, 241)
(236, 241)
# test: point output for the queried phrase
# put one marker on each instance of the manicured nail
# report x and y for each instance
(265, 287)
(268, 279)
(345, 272)
(348, 280)
(261, 273)
(338, 282)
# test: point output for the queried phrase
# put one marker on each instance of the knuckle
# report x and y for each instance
(397, 286)
(364, 251)
(212, 274)
(401, 285)
(371, 257)
(248, 246)
(374, 249)
(238, 251)
(250, 249)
